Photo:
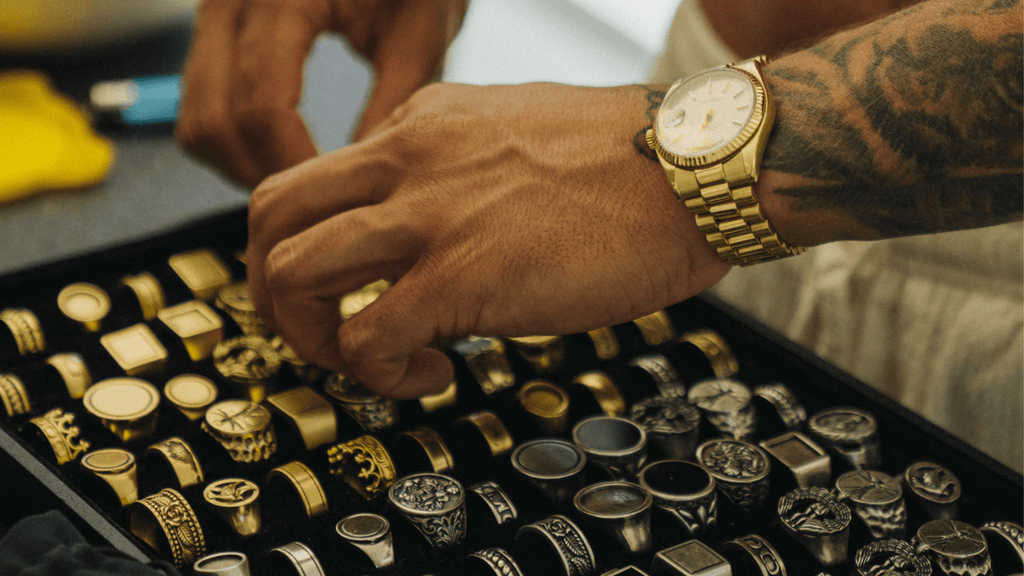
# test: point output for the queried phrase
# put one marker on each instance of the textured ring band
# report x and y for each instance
(573, 550)
(168, 524)
(767, 558)
(499, 561)
(14, 395)
(182, 459)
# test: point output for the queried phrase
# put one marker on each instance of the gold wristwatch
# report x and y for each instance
(709, 136)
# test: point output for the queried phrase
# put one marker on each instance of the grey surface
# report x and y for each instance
(154, 186)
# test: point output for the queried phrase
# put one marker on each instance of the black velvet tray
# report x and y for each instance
(990, 490)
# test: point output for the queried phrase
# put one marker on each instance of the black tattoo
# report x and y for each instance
(654, 99)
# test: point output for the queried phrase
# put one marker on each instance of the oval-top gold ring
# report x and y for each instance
(126, 406)
(84, 303)
(117, 468)
(306, 485)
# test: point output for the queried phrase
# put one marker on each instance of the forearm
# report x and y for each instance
(908, 125)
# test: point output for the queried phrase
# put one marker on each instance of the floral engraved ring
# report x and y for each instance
(435, 504)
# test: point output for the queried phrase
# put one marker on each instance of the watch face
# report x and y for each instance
(703, 114)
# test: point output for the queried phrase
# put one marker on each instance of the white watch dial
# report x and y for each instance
(705, 113)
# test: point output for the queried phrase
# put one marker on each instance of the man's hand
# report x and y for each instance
(506, 210)
(243, 78)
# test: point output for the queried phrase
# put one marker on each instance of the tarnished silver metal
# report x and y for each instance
(435, 504)
(791, 411)
(497, 501)
(765, 556)
(818, 522)
(371, 533)
(553, 465)
(727, 405)
(487, 361)
(662, 372)
(810, 465)
(957, 548)
(935, 488)
(626, 571)
(683, 489)
(370, 411)
(850, 432)
(301, 557)
(876, 499)
(622, 509)
(560, 533)
(740, 470)
(616, 445)
(890, 558)
(671, 422)
(1009, 532)
(499, 561)
(692, 558)
(222, 564)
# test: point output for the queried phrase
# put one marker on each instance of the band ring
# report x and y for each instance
(26, 330)
(365, 465)
(443, 399)
(544, 353)
(14, 395)
(62, 435)
(309, 413)
(606, 345)
(604, 390)
(305, 484)
(661, 371)
(490, 428)
(767, 558)
(566, 539)
(487, 362)
(499, 561)
(371, 533)
(73, 371)
(236, 500)
(1009, 532)
(714, 347)
(168, 524)
(790, 410)
(301, 558)
(656, 328)
(117, 468)
(497, 501)
(431, 445)
(181, 458)
(148, 292)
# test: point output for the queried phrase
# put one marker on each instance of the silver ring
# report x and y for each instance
(809, 464)
(622, 509)
(767, 558)
(886, 556)
(818, 522)
(371, 533)
(616, 445)
(498, 560)
(791, 411)
(683, 489)
(553, 465)
(692, 558)
(935, 488)
(671, 422)
(740, 470)
(497, 501)
(1010, 532)
(568, 541)
(877, 500)
(370, 411)
(223, 564)
(661, 371)
(850, 432)
(955, 547)
(435, 504)
(301, 558)
(727, 404)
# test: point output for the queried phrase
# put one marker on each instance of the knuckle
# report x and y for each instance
(281, 269)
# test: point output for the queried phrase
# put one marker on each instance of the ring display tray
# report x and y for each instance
(990, 491)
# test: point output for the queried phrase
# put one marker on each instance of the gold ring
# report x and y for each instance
(126, 406)
(365, 465)
(243, 428)
(486, 360)
(136, 350)
(198, 326)
(148, 292)
(248, 362)
(168, 524)
(117, 468)
(14, 395)
(182, 459)
(544, 353)
(304, 370)
(491, 428)
(370, 411)
(234, 300)
(433, 447)
(84, 303)
(60, 432)
(443, 399)
(354, 302)
(306, 485)
(604, 391)
(236, 500)
(24, 326)
(73, 371)
(547, 404)
(606, 345)
(309, 413)
(716, 350)
(656, 328)
(202, 271)
(191, 394)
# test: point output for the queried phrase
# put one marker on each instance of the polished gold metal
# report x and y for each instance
(202, 271)
(606, 345)
(73, 371)
(25, 327)
(250, 363)
(148, 292)
(14, 395)
(182, 459)
(168, 524)
(234, 300)
(656, 328)
(370, 411)
(604, 390)
(117, 468)
(353, 302)
(136, 350)
(198, 326)
(365, 465)
(809, 464)
(547, 404)
(544, 353)
(443, 399)
(491, 428)
(84, 303)
(236, 500)
(309, 413)
(191, 394)
(717, 351)
(61, 433)
(128, 407)
(433, 446)
(486, 360)
(243, 428)
(306, 485)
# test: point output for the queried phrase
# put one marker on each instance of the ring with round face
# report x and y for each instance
(371, 533)
(559, 533)
(606, 345)
(424, 441)
(191, 394)
(305, 485)
(768, 560)
(234, 300)
(222, 564)
(489, 428)
(128, 407)
(662, 373)
(168, 524)
(299, 557)
(309, 413)
(26, 330)
(727, 405)
(198, 326)
(691, 558)
(879, 557)
(714, 347)
(1009, 532)
(61, 433)
(818, 522)
(683, 489)
(236, 500)
(365, 465)
(957, 548)
(934, 487)
(616, 445)
(73, 371)
(544, 353)
(604, 390)
(435, 504)
(117, 468)
(850, 432)
(547, 404)
(487, 362)
(498, 560)
(877, 499)
(740, 470)
(497, 501)
(809, 464)
(790, 410)
(181, 458)
(656, 328)
(671, 422)
(250, 363)
(553, 465)
(14, 395)
(243, 428)
(148, 292)
(370, 411)
(84, 303)
(621, 509)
